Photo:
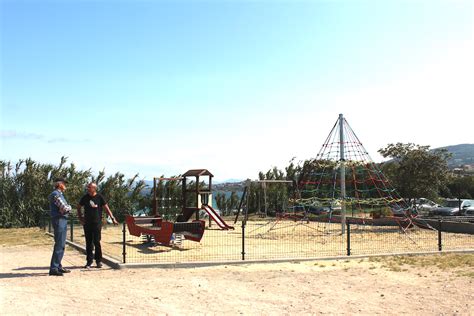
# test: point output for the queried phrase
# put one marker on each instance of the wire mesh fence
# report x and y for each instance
(271, 238)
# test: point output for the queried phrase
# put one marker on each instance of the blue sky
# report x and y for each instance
(160, 87)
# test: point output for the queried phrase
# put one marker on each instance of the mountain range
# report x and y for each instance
(463, 154)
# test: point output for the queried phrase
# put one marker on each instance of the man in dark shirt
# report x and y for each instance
(93, 204)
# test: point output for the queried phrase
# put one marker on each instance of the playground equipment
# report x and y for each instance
(341, 185)
(199, 197)
(343, 180)
(195, 197)
(162, 231)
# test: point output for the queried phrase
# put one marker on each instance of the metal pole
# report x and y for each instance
(343, 172)
(265, 197)
(155, 206)
(440, 243)
(348, 239)
(243, 240)
(124, 253)
(72, 228)
(246, 217)
(244, 221)
(240, 204)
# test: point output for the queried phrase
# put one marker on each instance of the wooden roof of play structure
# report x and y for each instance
(197, 173)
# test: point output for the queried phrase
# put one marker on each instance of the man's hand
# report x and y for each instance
(81, 220)
(114, 221)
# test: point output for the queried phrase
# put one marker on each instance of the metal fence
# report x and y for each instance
(272, 238)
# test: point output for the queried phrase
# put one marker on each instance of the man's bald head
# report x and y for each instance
(92, 188)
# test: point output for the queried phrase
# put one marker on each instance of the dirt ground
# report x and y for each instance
(432, 285)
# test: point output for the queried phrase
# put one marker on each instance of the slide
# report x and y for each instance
(216, 218)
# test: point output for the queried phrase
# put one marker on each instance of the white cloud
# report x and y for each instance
(9, 134)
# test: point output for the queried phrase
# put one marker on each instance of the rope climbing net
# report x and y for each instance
(343, 158)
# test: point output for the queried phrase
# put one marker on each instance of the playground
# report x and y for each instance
(340, 204)
(358, 286)
(269, 239)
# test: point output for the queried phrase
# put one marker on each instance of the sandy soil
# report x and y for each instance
(323, 287)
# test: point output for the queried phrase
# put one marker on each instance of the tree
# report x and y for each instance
(233, 201)
(221, 201)
(25, 186)
(416, 171)
(461, 187)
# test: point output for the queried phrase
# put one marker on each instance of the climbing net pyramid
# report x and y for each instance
(344, 174)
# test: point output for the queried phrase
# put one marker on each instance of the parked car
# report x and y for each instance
(454, 207)
(398, 210)
(469, 211)
(333, 207)
(423, 206)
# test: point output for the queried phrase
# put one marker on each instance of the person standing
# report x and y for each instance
(59, 214)
(93, 204)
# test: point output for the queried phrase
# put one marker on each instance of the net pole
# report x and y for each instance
(343, 173)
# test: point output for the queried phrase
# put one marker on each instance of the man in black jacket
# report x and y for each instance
(93, 204)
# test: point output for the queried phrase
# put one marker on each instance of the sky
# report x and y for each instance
(235, 87)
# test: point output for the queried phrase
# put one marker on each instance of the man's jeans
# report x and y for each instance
(60, 232)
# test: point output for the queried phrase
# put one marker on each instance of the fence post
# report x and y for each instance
(42, 222)
(72, 229)
(348, 238)
(124, 253)
(243, 240)
(440, 243)
(49, 224)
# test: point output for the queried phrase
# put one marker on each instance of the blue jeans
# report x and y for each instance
(60, 232)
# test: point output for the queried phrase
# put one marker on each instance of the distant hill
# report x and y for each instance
(227, 181)
(228, 187)
(463, 154)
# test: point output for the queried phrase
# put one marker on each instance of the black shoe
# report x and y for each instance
(99, 265)
(64, 270)
(56, 273)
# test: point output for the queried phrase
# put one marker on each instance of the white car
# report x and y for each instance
(423, 206)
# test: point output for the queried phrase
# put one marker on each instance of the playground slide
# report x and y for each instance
(216, 218)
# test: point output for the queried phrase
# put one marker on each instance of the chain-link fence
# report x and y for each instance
(271, 238)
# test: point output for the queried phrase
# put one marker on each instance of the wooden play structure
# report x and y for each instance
(199, 198)
(194, 199)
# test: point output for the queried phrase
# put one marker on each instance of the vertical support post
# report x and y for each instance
(241, 204)
(244, 221)
(264, 185)
(343, 172)
(155, 202)
(72, 228)
(197, 198)
(49, 225)
(243, 240)
(348, 239)
(42, 223)
(440, 242)
(210, 185)
(183, 188)
(124, 253)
